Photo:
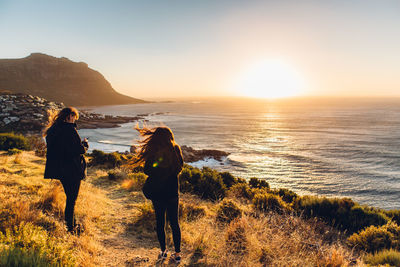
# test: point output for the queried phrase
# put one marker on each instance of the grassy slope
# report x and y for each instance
(119, 225)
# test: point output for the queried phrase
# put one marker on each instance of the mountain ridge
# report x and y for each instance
(59, 80)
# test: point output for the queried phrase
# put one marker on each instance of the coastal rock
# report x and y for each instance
(59, 80)
(29, 114)
(192, 155)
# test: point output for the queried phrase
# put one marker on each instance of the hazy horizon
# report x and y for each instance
(181, 49)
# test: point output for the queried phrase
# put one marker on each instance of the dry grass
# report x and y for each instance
(120, 223)
(26, 197)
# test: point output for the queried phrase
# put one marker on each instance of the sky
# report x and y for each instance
(174, 49)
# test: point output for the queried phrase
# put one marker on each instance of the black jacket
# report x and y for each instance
(65, 153)
(165, 177)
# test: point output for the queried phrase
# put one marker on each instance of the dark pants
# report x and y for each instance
(71, 189)
(171, 208)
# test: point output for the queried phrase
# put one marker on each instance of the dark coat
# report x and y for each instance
(164, 178)
(65, 151)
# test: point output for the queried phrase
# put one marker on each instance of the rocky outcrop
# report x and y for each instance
(59, 80)
(29, 114)
(192, 155)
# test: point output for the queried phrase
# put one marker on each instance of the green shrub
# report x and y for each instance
(146, 221)
(108, 160)
(258, 183)
(287, 195)
(242, 190)
(11, 140)
(37, 144)
(116, 174)
(191, 212)
(394, 215)
(228, 179)
(34, 242)
(342, 213)
(374, 238)
(266, 202)
(385, 257)
(206, 183)
(22, 257)
(14, 151)
(135, 181)
(228, 211)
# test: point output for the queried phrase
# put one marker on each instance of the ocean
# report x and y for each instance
(333, 147)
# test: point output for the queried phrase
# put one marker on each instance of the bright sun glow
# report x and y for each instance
(269, 79)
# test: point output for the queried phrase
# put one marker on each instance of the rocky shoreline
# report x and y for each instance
(192, 155)
(29, 114)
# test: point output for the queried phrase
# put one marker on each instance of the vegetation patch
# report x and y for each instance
(385, 257)
(29, 243)
(12, 140)
(342, 213)
(191, 212)
(236, 239)
(206, 183)
(228, 211)
(269, 202)
(375, 238)
(107, 160)
(258, 183)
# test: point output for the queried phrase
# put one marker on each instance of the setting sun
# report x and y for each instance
(269, 79)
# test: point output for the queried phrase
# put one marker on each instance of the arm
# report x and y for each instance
(74, 144)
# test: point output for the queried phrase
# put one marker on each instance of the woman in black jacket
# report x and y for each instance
(163, 162)
(65, 160)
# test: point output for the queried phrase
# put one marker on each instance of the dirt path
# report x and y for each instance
(123, 245)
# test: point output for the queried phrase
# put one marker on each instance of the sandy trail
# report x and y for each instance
(123, 245)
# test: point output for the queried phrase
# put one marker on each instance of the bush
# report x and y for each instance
(342, 213)
(108, 160)
(266, 202)
(146, 220)
(115, 175)
(394, 215)
(14, 151)
(374, 238)
(258, 183)
(242, 190)
(236, 240)
(228, 211)
(287, 195)
(191, 212)
(22, 257)
(38, 145)
(207, 183)
(135, 181)
(11, 140)
(228, 179)
(35, 242)
(385, 257)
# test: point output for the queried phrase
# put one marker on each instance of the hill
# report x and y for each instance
(120, 223)
(225, 220)
(59, 80)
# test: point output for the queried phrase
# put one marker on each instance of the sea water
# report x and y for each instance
(331, 147)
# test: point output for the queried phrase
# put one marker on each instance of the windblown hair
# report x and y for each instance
(57, 117)
(157, 142)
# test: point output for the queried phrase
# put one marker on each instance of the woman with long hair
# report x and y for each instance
(64, 159)
(163, 161)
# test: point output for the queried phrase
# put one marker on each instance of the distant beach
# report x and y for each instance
(340, 147)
